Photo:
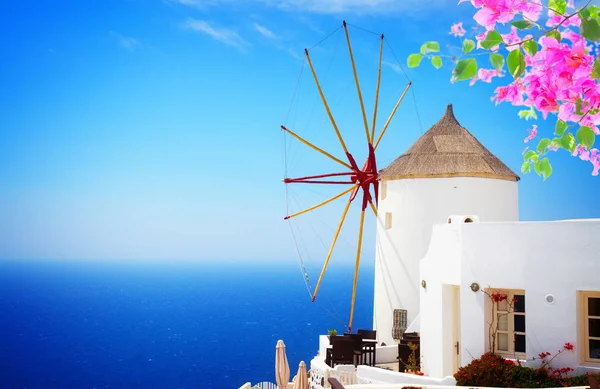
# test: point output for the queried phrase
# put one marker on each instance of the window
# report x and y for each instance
(383, 189)
(591, 326)
(388, 220)
(509, 322)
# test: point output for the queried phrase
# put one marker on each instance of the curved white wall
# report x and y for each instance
(416, 205)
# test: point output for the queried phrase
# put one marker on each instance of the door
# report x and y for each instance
(456, 327)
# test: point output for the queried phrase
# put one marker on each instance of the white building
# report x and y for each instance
(448, 225)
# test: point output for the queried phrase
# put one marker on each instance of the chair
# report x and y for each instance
(358, 347)
(369, 348)
(341, 351)
(368, 334)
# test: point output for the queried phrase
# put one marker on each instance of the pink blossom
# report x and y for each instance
(532, 134)
(486, 75)
(557, 79)
(457, 29)
(595, 160)
(510, 93)
(584, 155)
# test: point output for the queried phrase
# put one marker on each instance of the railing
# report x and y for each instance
(320, 372)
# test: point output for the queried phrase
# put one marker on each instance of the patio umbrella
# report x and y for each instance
(301, 381)
(282, 369)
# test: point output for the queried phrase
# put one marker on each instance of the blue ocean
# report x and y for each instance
(163, 324)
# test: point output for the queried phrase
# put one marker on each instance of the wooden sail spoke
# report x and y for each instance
(360, 238)
(372, 138)
(362, 105)
(321, 204)
(335, 237)
(391, 116)
(337, 131)
(315, 147)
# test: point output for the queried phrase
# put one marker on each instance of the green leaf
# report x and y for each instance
(594, 11)
(543, 168)
(590, 29)
(414, 60)
(528, 114)
(515, 61)
(568, 142)
(584, 13)
(430, 47)
(492, 39)
(530, 155)
(436, 62)
(554, 34)
(560, 128)
(497, 60)
(596, 69)
(543, 144)
(468, 45)
(558, 6)
(526, 167)
(530, 46)
(586, 137)
(522, 24)
(465, 69)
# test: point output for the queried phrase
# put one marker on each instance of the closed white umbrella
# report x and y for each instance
(282, 368)
(301, 381)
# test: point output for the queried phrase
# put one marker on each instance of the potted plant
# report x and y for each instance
(331, 332)
(411, 362)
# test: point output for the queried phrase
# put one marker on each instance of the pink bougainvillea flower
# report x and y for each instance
(486, 75)
(457, 29)
(488, 16)
(532, 134)
(595, 160)
(584, 155)
(557, 79)
(511, 93)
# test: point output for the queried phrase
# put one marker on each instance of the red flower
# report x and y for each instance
(568, 346)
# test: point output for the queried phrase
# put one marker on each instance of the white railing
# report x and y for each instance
(320, 372)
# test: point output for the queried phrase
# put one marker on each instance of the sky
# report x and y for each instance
(151, 128)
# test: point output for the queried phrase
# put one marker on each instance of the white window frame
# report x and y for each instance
(510, 331)
(388, 220)
(383, 189)
(585, 333)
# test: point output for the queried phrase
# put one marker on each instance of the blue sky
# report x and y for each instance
(150, 128)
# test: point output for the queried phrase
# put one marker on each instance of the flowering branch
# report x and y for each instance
(555, 73)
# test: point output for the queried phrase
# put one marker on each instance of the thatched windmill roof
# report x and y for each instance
(447, 150)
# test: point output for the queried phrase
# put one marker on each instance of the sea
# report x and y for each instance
(135, 324)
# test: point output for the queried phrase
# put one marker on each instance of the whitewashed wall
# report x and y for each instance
(557, 258)
(440, 268)
(416, 205)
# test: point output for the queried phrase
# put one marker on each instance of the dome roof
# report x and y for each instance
(447, 150)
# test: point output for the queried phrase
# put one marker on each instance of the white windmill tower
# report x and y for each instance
(445, 172)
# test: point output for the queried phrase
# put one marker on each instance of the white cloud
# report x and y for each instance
(189, 3)
(264, 31)
(223, 35)
(126, 42)
(395, 67)
(329, 6)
